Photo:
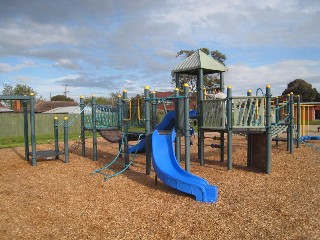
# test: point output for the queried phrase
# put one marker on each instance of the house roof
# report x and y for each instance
(68, 110)
(43, 106)
(163, 94)
(199, 60)
(4, 108)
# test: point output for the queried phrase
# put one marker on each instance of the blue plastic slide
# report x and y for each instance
(167, 123)
(307, 138)
(170, 172)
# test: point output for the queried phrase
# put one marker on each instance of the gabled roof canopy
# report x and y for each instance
(197, 61)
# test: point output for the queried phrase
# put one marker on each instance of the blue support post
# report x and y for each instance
(147, 130)
(66, 147)
(186, 127)
(268, 129)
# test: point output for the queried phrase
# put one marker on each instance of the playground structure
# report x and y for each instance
(35, 155)
(249, 115)
(260, 118)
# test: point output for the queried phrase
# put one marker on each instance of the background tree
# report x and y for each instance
(19, 89)
(210, 80)
(112, 100)
(62, 98)
(302, 88)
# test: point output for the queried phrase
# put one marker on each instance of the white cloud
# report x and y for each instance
(246, 23)
(67, 63)
(243, 77)
(6, 68)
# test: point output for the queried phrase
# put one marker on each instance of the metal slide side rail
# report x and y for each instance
(114, 161)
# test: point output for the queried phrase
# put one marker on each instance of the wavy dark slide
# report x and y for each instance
(167, 123)
(169, 171)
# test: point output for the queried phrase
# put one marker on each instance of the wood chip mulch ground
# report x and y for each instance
(65, 201)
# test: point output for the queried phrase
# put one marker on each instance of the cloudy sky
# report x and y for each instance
(104, 46)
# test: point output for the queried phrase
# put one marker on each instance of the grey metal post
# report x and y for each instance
(178, 134)
(186, 127)
(288, 129)
(83, 138)
(126, 120)
(153, 111)
(120, 111)
(26, 131)
(229, 127)
(268, 129)
(178, 137)
(277, 117)
(66, 147)
(94, 129)
(177, 80)
(221, 81)
(298, 121)
(33, 131)
(249, 139)
(147, 130)
(200, 117)
(222, 146)
(56, 136)
(291, 118)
